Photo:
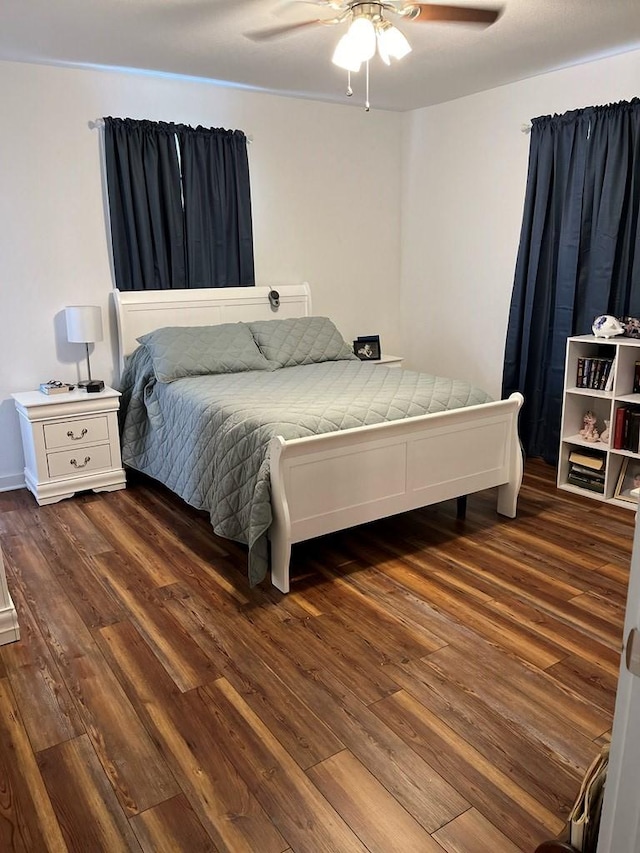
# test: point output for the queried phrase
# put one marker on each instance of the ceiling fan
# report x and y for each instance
(369, 29)
(374, 12)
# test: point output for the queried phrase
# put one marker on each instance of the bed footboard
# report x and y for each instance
(329, 482)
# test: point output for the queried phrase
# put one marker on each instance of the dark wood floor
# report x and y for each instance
(428, 685)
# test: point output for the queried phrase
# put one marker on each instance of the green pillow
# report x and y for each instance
(300, 340)
(178, 351)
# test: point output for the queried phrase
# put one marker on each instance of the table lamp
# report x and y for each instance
(84, 326)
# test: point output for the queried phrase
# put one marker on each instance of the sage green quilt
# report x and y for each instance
(206, 437)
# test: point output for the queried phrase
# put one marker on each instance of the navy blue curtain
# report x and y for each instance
(145, 204)
(217, 207)
(180, 205)
(578, 255)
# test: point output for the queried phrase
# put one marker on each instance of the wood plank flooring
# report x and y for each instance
(429, 685)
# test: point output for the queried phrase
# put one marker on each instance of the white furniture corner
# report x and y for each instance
(70, 443)
(329, 482)
(9, 629)
(604, 404)
(387, 361)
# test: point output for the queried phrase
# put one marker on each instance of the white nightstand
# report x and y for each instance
(387, 360)
(70, 442)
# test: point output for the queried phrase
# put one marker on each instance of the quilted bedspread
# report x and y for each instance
(206, 437)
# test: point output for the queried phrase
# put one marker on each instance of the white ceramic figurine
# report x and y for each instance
(607, 326)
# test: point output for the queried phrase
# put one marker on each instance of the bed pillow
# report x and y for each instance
(300, 340)
(178, 351)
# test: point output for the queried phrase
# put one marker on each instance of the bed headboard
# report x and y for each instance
(142, 311)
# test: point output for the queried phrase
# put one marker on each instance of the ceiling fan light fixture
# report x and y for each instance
(382, 53)
(369, 30)
(362, 38)
(344, 56)
(392, 44)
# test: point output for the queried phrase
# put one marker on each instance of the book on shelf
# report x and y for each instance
(54, 388)
(618, 428)
(636, 378)
(593, 461)
(593, 485)
(582, 470)
(587, 470)
(633, 434)
(593, 373)
(626, 429)
(608, 385)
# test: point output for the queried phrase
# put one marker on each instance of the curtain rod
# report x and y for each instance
(526, 127)
(98, 123)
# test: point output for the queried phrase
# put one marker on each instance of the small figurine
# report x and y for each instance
(589, 431)
(631, 327)
(604, 435)
(607, 326)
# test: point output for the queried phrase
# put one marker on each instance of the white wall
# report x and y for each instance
(465, 169)
(424, 256)
(320, 210)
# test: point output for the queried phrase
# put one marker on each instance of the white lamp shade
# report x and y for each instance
(392, 43)
(343, 55)
(84, 324)
(382, 50)
(362, 38)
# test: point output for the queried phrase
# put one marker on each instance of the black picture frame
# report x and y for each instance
(629, 472)
(367, 347)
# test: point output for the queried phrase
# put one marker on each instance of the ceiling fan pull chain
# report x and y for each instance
(349, 89)
(366, 97)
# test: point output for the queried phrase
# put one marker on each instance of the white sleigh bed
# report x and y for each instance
(336, 480)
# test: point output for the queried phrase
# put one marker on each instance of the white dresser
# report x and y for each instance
(70, 442)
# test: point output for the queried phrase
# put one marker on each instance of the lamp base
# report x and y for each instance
(91, 386)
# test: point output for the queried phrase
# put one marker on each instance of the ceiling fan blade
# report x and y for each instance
(454, 14)
(338, 5)
(283, 30)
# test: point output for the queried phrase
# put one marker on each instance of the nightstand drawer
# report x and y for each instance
(69, 463)
(76, 432)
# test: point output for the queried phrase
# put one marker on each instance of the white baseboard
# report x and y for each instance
(9, 482)
(9, 629)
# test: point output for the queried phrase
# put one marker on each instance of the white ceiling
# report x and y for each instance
(206, 39)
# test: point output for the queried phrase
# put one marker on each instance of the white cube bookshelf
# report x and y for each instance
(604, 404)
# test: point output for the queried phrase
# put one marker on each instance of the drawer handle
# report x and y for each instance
(77, 464)
(77, 437)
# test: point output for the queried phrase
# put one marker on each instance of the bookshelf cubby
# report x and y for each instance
(604, 404)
